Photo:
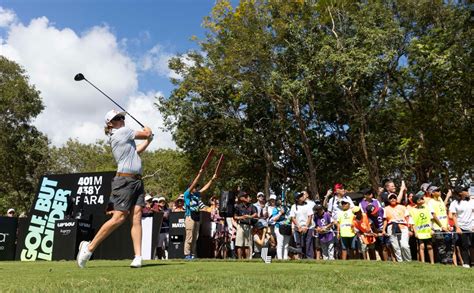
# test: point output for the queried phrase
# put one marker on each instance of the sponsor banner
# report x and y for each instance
(59, 197)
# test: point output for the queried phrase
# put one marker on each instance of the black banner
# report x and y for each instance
(83, 195)
(8, 227)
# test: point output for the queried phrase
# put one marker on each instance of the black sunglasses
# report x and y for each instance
(118, 118)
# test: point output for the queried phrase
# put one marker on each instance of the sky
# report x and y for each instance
(121, 46)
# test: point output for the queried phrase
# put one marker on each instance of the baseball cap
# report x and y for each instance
(243, 194)
(10, 210)
(298, 195)
(345, 200)
(460, 188)
(391, 195)
(433, 188)
(111, 114)
(338, 186)
(155, 199)
(161, 198)
(148, 197)
(419, 195)
(259, 194)
(372, 210)
(261, 224)
(355, 209)
(424, 187)
(318, 207)
(273, 196)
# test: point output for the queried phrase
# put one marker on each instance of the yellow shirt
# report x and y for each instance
(345, 223)
(439, 209)
(421, 222)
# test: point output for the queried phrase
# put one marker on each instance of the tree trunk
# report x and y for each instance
(312, 180)
(268, 171)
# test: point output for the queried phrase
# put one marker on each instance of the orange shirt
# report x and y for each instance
(397, 214)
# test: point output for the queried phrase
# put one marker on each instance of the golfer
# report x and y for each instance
(127, 194)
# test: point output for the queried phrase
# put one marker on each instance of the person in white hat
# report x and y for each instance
(11, 213)
(128, 194)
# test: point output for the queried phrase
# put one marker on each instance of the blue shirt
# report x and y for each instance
(192, 202)
(283, 218)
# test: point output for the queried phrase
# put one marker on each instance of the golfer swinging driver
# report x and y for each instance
(127, 194)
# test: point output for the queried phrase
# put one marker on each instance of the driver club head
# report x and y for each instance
(79, 77)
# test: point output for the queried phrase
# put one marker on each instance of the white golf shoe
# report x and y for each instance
(84, 254)
(137, 262)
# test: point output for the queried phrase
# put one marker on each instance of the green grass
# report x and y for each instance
(233, 276)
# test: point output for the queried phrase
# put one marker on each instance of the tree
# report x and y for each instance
(23, 149)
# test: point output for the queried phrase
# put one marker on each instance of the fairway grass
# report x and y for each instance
(233, 276)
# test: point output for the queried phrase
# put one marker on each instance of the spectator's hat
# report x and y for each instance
(260, 194)
(424, 187)
(460, 188)
(356, 209)
(297, 195)
(161, 198)
(261, 224)
(338, 186)
(273, 196)
(155, 199)
(148, 197)
(318, 207)
(344, 200)
(419, 195)
(392, 195)
(243, 194)
(433, 188)
(10, 211)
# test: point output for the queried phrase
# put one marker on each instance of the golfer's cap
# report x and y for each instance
(260, 194)
(111, 114)
(148, 197)
(155, 199)
(433, 188)
(273, 196)
(161, 198)
(356, 209)
(10, 210)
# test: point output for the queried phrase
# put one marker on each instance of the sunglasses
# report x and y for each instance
(118, 118)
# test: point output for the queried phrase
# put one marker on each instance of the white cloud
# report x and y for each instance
(156, 59)
(51, 58)
(7, 17)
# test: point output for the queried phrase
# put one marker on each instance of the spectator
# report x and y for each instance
(245, 215)
(421, 217)
(335, 203)
(441, 242)
(396, 226)
(163, 238)
(324, 230)
(11, 213)
(345, 230)
(155, 207)
(262, 238)
(193, 205)
(280, 216)
(376, 215)
(271, 205)
(301, 217)
(179, 204)
(363, 230)
(147, 210)
(260, 206)
(462, 210)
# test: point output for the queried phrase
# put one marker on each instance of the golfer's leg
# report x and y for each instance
(136, 230)
(118, 217)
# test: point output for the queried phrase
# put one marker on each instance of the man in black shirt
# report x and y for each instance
(245, 215)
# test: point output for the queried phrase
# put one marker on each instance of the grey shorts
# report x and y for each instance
(126, 193)
(244, 236)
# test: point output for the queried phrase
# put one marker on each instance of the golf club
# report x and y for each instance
(81, 76)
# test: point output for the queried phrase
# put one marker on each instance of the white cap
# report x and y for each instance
(260, 194)
(148, 197)
(161, 198)
(155, 199)
(10, 210)
(111, 114)
(273, 196)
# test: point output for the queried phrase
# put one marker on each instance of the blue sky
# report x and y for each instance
(122, 46)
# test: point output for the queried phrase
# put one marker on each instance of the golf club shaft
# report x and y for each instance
(114, 102)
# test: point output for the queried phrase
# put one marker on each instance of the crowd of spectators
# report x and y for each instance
(382, 224)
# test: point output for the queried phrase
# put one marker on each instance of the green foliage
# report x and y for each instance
(23, 149)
